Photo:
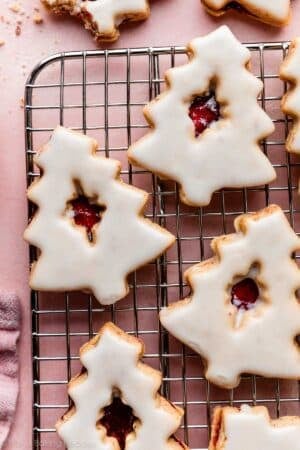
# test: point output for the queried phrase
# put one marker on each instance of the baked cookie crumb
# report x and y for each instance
(15, 7)
(37, 18)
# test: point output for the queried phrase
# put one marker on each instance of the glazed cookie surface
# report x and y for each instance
(207, 125)
(102, 17)
(290, 72)
(89, 226)
(116, 403)
(251, 428)
(238, 299)
(273, 12)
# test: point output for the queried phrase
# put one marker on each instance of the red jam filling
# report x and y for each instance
(236, 6)
(244, 294)
(85, 213)
(203, 111)
(118, 419)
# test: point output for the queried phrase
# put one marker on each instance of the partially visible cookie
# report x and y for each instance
(272, 12)
(290, 72)
(102, 17)
(116, 400)
(243, 314)
(251, 428)
(90, 226)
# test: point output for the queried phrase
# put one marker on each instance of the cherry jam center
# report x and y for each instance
(118, 419)
(239, 8)
(203, 111)
(85, 213)
(236, 6)
(244, 294)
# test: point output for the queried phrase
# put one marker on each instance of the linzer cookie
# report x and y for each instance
(273, 12)
(102, 17)
(290, 72)
(251, 428)
(116, 403)
(243, 315)
(89, 226)
(207, 125)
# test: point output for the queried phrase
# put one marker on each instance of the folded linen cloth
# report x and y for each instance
(10, 318)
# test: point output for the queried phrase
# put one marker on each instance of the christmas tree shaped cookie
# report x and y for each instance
(273, 12)
(102, 17)
(243, 315)
(290, 72)
(89, 226)
(116, 403)
(207, 125)
(251, 428)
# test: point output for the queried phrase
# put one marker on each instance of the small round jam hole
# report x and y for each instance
(85, 213)
(203, 111)
(118, 419)
(244, 294)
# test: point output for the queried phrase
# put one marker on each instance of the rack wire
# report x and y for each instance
(102, 93)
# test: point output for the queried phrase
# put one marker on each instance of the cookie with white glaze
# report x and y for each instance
(102, 17)
(251, 428)
(89, 226)
(116, 400)
(290, 72)
(243, 315)
(272, 12)
(207, 125)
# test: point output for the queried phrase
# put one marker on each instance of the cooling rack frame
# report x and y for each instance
(161, 194)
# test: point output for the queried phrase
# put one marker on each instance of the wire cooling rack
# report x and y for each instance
(102, 93)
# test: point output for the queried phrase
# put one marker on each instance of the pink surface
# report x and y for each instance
(172, 22)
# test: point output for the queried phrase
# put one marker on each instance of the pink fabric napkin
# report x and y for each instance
(10, 317)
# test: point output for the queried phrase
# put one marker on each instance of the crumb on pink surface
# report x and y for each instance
(37, 18)
(15, 7)
(18, 30)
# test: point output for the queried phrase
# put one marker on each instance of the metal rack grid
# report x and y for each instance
(102, 94)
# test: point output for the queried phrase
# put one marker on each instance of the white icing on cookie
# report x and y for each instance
(290, 72)
(251, 428)
(124, 239)
(112, 360)
(275, 12)
(226, 154)
(263, 342)
(107, 15)
(102, 17)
